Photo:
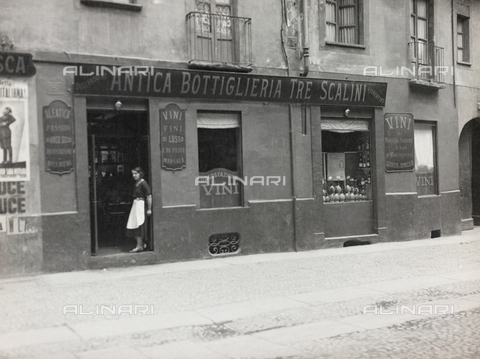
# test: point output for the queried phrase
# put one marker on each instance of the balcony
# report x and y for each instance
(428, 65)
(219, 42)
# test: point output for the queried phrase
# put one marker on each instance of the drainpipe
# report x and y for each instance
(282, 35)
(305, 52)
(453, 55)
(292, 171)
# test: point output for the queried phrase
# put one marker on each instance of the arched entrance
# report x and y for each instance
(469, 164)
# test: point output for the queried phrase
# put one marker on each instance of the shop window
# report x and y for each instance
(346, 147)
(463, 45)
(425, 158)
(219, 159)
(344, 21)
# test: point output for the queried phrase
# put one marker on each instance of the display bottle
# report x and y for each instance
(368, 161)
(360, 164)
(367, 145)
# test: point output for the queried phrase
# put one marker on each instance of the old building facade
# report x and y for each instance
(261, 126)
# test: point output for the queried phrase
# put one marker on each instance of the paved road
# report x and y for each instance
(417, 299)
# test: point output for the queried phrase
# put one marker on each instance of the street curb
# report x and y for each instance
(218, 263)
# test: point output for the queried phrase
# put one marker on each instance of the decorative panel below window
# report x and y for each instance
(224, 243)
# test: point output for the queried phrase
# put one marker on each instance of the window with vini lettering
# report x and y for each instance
(425, 158)
(219, 159)
(344, 21)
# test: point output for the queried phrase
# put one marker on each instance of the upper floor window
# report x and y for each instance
(420, 19)
(216, 37)
(463, 33)
(427, 59)
(344, 21)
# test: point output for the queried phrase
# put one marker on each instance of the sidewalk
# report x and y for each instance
(257, 306)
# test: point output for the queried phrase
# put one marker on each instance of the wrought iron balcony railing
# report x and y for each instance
(427, 61)
(219, 40)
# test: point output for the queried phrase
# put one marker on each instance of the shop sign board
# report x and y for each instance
(172, 137)
(399, 142)
(58, 130)
(16, 64)
(147, 81)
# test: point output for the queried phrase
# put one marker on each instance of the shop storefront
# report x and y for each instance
(348, 168)
(237, 164)
(232, 159)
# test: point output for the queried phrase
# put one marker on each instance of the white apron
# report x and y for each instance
(137, 214)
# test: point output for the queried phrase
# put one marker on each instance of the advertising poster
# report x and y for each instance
(14, 141)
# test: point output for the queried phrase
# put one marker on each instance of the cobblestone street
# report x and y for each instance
(285, 305)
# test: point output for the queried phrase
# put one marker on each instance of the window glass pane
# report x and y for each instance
(223, 22)
(203, 6)
(203, 21)
(422, 29)
(331, 14)
(460, 40)
(347, 35)
(331, 33)
(460, 55)
(422, 48)
(425, 159)
(422, 8)
(459, 25)
(217, 149)
(412, 26)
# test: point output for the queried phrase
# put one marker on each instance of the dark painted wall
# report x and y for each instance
(465, 163)
(476, 171)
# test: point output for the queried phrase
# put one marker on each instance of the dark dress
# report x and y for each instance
(142, 190)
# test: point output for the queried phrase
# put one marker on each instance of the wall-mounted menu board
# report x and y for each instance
(399, 143)
(59, 137)
(172, 135)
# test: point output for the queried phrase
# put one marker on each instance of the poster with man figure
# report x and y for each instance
(14, 141)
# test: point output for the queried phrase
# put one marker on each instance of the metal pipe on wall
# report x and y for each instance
(292, 170)
(305, 38)
(453, 55)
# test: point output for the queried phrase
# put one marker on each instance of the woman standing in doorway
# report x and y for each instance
(136, 220)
